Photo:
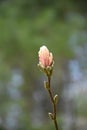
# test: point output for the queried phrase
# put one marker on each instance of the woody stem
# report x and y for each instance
(53, 103)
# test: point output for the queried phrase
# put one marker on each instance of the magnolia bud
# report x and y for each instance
(46, 85)
(51, 116)
(56, 99)
(45, 57)
(46, 61)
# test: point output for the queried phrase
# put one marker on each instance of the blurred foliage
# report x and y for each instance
(25, 25)
(82, 107)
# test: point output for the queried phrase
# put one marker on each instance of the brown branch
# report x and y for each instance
(53, 103)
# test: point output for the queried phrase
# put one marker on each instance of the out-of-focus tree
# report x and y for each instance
(27, 24)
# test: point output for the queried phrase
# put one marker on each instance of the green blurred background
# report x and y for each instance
(26, 25)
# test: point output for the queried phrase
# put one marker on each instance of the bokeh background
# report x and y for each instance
(25, 25)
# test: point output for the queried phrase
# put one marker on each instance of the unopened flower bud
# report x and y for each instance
(56, 99)
(45, 57)
(51, 116)
(45, 60)
(46, 85)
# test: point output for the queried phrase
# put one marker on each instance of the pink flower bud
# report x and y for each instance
(45, 57)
